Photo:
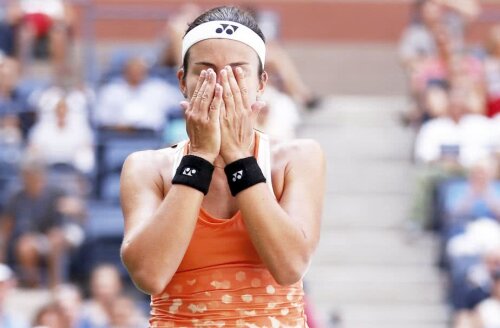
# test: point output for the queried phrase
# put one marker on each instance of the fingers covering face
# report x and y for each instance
(228, 93)
(217, 102)
(201, 79)
(208, 93)
(235, 90)
(232, 94)
(204, 95)
(242, 83)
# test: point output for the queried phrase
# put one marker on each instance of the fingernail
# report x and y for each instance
(203, 73)
(239, 70)
(228, 68)
(223, 72)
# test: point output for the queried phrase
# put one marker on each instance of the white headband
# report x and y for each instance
(224, 30)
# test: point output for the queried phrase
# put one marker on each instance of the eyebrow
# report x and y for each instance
(213, 66)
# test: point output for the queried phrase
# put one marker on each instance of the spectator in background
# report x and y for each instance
(446, 146)
(11, 139)
(460, 137)
(32, 226)
(15, 94)
(7, 32)
(172, 34)
(282, 70)
(492, 70)
(472, 256)
(432, 49)
(286, 76)
(62, 135)
(457, 15)
(38, 21)
(481, 198)
(9, 78)
(125, 314)
(472, 231)
(280, 117)
(7, 283)
(435, 101)
(417, 42)
(69, 299)
(135, 102)
(487, 313)
(105, 288)
(11, 136)
(477, 287)
(446, 62)
(50, 316)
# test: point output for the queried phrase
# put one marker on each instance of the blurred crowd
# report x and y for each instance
(455, 88)
(62, 145)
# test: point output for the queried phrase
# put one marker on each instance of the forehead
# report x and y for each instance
(221, 52)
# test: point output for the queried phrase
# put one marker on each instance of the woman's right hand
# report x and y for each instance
(202, 117)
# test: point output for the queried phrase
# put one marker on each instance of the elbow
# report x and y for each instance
(291, 273)
(147, 279)
(287, 279)
(146, 283)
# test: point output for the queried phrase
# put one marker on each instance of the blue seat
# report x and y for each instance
(8, 184)
(104, 234)
(9, 176)
(112, 150)
(104, 219)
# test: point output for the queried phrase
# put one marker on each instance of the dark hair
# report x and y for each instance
(226, 13)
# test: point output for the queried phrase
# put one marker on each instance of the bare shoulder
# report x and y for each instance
(292, 157)
(296, 150)
(149, 165)
(149, 160)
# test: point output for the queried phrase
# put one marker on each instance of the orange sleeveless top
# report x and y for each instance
(222, 282)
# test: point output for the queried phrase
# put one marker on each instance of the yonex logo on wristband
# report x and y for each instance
(189, 171)
(243, 173)
(229, 29)
(238, 175)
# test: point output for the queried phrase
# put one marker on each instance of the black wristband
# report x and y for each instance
(195, 172)
(243, 174)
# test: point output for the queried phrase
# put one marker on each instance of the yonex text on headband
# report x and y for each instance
(224, 30)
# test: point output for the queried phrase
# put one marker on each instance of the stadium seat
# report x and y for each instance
(112, 150)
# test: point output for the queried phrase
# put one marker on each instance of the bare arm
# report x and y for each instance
(285, 234)
(157, 229)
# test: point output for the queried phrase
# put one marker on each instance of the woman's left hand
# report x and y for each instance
(237, 116)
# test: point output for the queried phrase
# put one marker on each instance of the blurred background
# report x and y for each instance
(403, 95)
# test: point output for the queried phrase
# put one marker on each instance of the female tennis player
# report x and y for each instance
(220, 229)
